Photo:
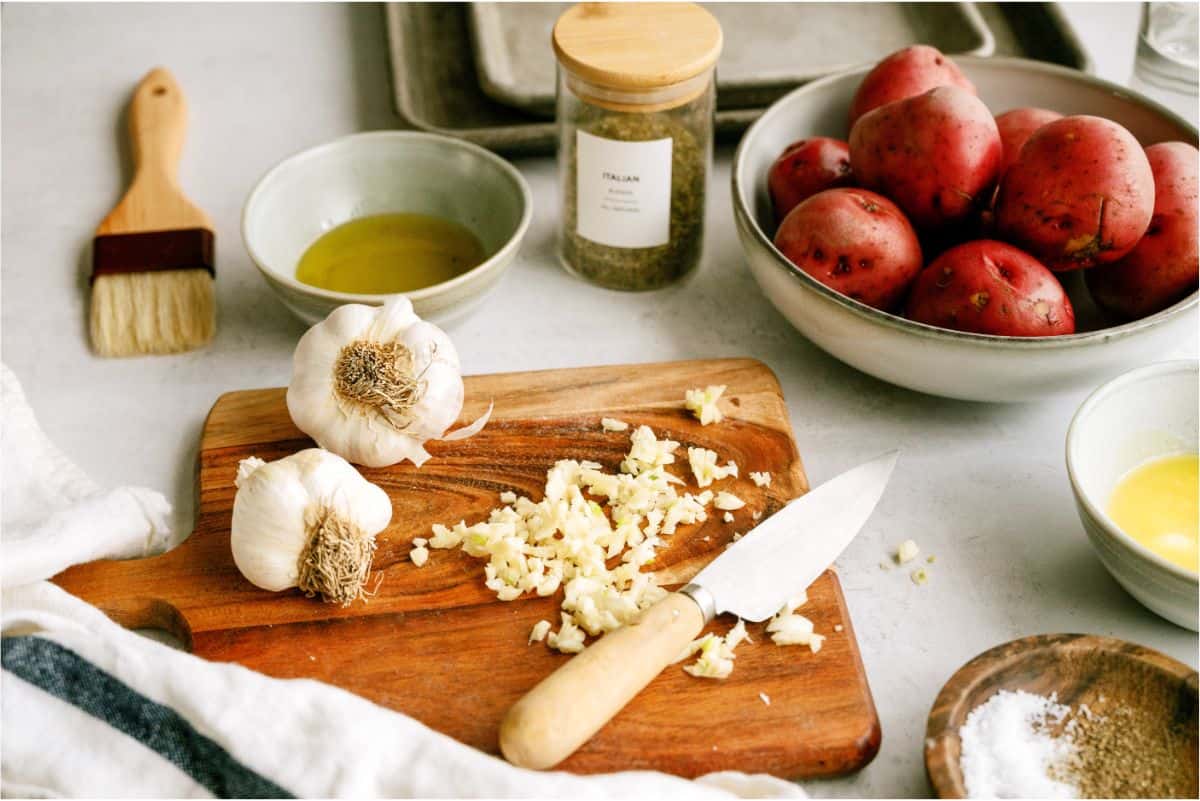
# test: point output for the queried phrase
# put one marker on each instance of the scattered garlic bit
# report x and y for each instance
(568, 638)
(788, 628)
(729, 501)
(419, 555)
(886, 564)
(930, 559)
(737, 536)
(738, 633)
(420, 542)
(716, 653)
(727, 517)
(907, 551)
(794, 603)
(766, 699)
(716, 659)
(761, 479)
(756, 516)
(612, 424)
(839, 627)
(539, 631)
(705, 468)
(919, 576)
(568, 540)
(703, 403)
(508, 496)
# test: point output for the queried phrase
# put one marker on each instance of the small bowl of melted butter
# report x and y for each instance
(369, 216)
(1132, 461)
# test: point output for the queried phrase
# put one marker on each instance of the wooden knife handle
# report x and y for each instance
(157, 123)
(571, 704)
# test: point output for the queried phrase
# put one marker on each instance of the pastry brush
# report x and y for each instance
(152, 258)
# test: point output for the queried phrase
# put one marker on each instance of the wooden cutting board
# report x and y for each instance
(435, 644)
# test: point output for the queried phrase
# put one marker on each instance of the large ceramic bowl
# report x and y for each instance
(927, 358)
(1140, 416)
(377, 173)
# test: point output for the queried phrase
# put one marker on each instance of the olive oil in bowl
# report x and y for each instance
(387, 253)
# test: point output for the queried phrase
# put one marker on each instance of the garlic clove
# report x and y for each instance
(389, 322)
(429, 344)
(441, 402)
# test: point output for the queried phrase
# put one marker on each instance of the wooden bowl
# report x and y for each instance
(1099, 671)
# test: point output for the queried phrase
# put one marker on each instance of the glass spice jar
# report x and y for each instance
(635, 106)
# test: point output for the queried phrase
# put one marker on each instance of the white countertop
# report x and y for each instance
(983, 487)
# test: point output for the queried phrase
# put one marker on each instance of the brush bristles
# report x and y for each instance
(166, 311)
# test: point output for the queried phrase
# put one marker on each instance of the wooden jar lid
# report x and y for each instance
(637, 46)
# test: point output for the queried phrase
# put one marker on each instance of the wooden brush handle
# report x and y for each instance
(574, 702)
(157, 123)
(154, 201)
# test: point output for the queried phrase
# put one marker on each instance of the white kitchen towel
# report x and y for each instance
(90, 709)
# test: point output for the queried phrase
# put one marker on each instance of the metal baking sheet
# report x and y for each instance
(770, 48)
(436, 83)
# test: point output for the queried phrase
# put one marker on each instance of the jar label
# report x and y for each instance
(623, 191)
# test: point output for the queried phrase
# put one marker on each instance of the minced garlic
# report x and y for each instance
(766, 699)
(419, 555)
(703, 404)
(788, 628)
(539, 631)
(716, 653)
(727, 517)
(919, 576)
(728, 501)
(566, 540)
(907, 551)
(761, 479)
(612, 424)
(705, 468)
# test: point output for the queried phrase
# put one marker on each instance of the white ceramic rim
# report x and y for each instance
(904, 325)
(1101, 517)
(298, 159)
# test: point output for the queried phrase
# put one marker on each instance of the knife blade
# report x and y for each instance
(785, 553)
(754, 578)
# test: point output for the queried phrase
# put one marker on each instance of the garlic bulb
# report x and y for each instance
(373, 384)
(308, 520)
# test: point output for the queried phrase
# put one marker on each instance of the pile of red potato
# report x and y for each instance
(999, 205)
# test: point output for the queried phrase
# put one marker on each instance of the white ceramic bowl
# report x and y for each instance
(380, 172)
(1144, 414)
(927, 358)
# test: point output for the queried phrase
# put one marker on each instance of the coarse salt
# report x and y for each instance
(1008, 750)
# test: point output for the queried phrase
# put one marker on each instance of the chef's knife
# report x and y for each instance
(753, 579)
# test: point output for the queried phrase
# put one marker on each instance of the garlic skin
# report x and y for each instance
(290, 515)
(373, 384)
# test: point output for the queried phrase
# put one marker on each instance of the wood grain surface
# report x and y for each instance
(1102, 672)
(435, 644)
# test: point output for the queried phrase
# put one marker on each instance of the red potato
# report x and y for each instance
(854, 241)
(1164, 266)
(806, 168)
(906, 73)
(936, 155)
(1016, 126)
(988, 287)
(1080, 193)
